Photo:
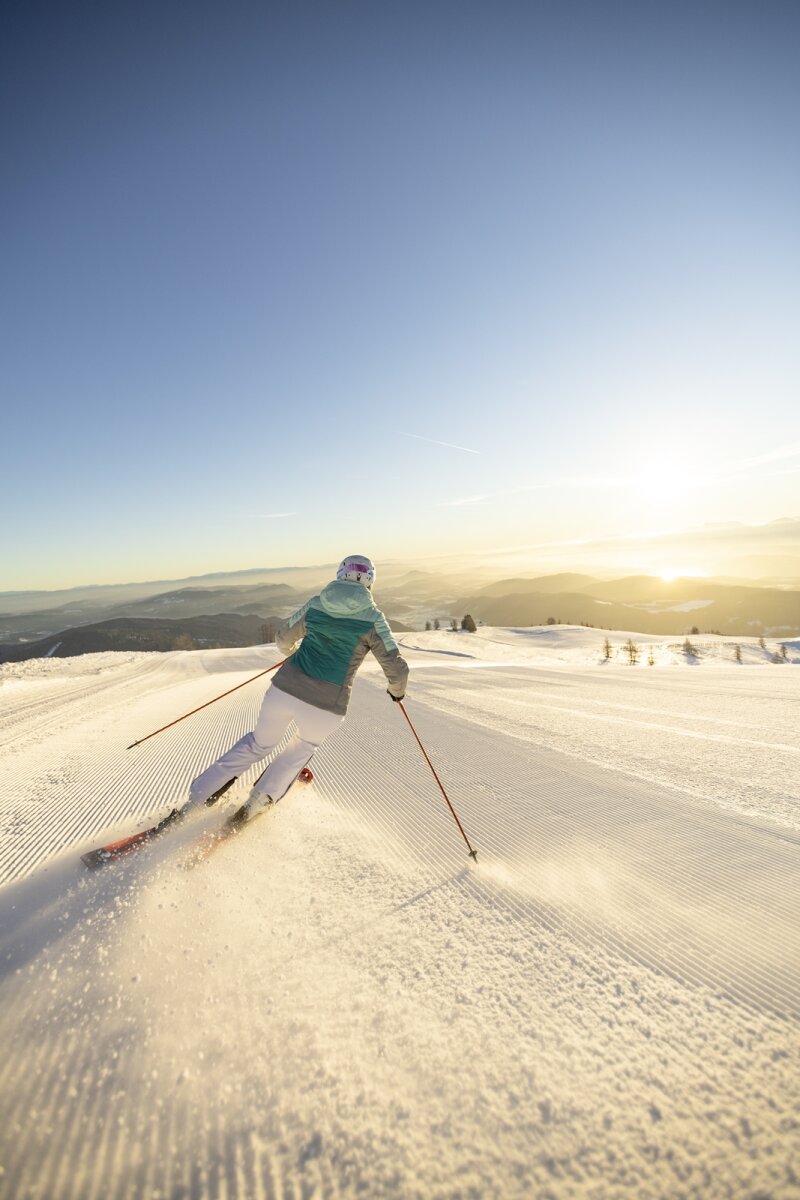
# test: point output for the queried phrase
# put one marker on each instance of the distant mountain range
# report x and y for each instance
(126, 633)
(262, 600)
(117, 595)
(26, 617)
(231, 611)
(641, 602)
(195, 632)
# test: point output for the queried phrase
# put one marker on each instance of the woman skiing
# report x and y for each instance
(326, 641)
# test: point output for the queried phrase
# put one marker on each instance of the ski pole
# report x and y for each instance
(214, 701)
(472, 853)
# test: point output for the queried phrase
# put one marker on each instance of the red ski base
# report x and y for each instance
(98, 858)
(115, 850)
(94, 859)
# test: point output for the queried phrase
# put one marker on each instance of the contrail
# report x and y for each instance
(601, 481)
(436, 442)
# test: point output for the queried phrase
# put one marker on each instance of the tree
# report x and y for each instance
(694, 631)
(427, 625)
(737, 652)
(651, 658)
(551, 621)
(762, 643)
(468, 624)
(453, 623)
(784, 652)
(689, 650)
(607, 650)
(436, 623)
(632, 650)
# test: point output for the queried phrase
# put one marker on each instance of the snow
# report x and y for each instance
(339, 1002)
(552, 645)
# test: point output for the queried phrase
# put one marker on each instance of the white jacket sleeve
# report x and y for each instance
(290, 634)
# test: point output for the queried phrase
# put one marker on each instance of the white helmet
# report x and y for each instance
(358, 569)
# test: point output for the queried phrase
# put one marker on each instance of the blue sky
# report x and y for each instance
(261, 261)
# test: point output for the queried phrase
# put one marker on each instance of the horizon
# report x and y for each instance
(786, 567)
(454, 282)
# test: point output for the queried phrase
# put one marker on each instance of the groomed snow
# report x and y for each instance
(339, 1003)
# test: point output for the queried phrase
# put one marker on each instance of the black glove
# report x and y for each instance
(396, 699)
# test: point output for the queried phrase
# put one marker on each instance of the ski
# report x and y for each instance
(113, 851)
(211, 841)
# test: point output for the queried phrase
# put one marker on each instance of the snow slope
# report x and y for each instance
(339, 1003)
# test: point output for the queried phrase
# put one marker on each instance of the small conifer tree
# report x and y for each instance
(468, 623)
(607, 650)
(737, 652)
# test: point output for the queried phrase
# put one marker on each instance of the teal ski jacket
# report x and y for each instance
(327, 640)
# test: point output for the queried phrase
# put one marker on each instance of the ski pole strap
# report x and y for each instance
(202, 706)
(472, 853)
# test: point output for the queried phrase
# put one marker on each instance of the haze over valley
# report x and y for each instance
(222, 610)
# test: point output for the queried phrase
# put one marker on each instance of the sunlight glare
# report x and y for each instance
(670, 574)
(666, 480)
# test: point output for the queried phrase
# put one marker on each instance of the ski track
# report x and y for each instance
(338, 1003)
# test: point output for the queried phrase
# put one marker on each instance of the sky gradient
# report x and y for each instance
(284, 281)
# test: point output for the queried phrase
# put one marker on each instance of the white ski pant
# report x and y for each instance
(278, 711)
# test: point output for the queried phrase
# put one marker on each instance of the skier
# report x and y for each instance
(326, 641)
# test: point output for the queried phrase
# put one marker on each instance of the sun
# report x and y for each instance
(670, 574)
